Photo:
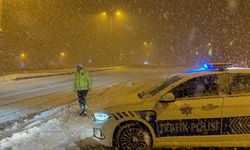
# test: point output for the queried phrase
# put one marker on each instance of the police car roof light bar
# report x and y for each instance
(208, 66)
(221, 66)
(211, 67)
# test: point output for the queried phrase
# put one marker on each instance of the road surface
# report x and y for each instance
(22, 101)
(17, 98)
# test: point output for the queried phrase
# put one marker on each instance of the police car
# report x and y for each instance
(204, 107)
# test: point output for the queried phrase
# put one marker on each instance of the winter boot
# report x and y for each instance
(82, 110)
(85, 113)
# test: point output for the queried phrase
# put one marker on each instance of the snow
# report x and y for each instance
(52, 132)
(62, 127)
(13, 76)
(44, 73)
(19, 99)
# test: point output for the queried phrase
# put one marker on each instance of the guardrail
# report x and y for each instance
(60, 74)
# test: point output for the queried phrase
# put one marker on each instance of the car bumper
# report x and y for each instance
(103, 133)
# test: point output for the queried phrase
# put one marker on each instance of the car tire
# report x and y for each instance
(132, 136)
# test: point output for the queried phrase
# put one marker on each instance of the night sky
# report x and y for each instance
(166, 32)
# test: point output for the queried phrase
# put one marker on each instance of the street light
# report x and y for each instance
(111, 15)
(22, 55)
(147, 43)
(62, 54)
(104, 13)
(21, 59)
(118, 13)
(231, 43)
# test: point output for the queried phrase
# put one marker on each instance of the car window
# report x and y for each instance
(197, 87)
(224, 83)
(154, 91)
(240, 84)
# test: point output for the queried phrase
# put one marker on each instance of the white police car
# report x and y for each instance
(205, 107)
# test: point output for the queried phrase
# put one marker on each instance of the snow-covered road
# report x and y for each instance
(19, 98)
(61, 127)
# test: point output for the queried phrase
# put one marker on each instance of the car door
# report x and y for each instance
(195, 115)
(236, 111)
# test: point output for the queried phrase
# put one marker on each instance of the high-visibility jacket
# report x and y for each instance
(82, 80)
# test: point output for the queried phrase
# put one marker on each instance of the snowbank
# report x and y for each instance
(57, 128)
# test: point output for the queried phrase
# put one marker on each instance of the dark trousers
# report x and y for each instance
(82, 98)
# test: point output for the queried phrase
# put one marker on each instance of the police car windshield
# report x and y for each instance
(154, 91)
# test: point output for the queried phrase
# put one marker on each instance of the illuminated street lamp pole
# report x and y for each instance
(62, 58)
(21, 59)
(147, 50)
(117, 13)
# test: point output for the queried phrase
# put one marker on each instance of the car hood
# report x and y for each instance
(138, 106)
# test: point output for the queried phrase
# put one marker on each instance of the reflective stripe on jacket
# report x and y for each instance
(82, 80)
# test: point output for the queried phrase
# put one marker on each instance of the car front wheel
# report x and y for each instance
(132, 137)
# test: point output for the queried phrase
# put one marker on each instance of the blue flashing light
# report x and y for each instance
(206, 67)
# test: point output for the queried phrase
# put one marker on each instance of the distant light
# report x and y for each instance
(90, 61)
(147, 43)
(210, 52)
(62, 54)
(22, 55)
(118, 13)
(104, 13)
(145, 62)
(196, 53)
(231, 43)
(209, 44)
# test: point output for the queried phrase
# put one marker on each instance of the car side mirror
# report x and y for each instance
(169, 97)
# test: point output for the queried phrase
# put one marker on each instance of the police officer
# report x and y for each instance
(82, 83)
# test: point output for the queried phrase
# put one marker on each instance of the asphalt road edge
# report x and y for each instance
(59, 74)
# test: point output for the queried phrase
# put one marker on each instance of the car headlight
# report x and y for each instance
(103, 117)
